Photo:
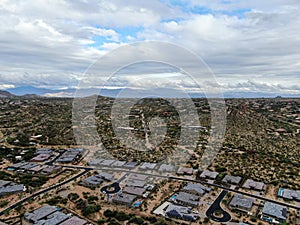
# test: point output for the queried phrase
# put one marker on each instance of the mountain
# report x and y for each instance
(135, 93)
(5, 94)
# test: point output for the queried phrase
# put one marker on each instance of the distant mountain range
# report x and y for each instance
(30, 91)
(4, 94)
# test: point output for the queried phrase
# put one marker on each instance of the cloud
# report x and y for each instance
(52, 43)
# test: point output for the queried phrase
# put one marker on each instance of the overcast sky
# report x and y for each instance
(251, 46)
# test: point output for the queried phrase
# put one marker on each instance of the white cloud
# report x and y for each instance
(45, 42)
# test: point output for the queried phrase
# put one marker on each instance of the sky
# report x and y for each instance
(250, 46)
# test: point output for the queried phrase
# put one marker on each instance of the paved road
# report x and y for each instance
(217, 207)
(116, 189)
(43, 191)
(195, 181)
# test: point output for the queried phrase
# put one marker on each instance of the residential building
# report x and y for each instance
(124, 199)
(197, 189)
(228, 179)
(185, 171)
(148, 166)
(8, 187)
(187, 199)
(74, 221)
(206, 174)
(180, 212)
(92, 181)
(275, 211)
(289, 194)
(166, 168)
(241, 202)
(50, 215)
(41, 158)
(134, 191)
(251, 184)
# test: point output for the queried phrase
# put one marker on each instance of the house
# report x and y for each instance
(106, 176)
(136, 176)
(74, 221)
(37, 169)
(70, 155)
(241, 202)
(180, 212)
(50, 215)
(166, 168)
(1, 223)
(118, 163)
(124, 199)
(40, 158)
(48, 151)
(187, 199)
(228, 179)
(289, 194)
(95, 162)
(92, 181)
(206, 174)
(50, 169)
(39, 214)
(251, 184)
(136, 183)
(148, 166)
(107, 162)
(54, 219)
(274, 211)
(197, 189)
(134, 191)
(130, 165)
(9, 187)
(185, 171)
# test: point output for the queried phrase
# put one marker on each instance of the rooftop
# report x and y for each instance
(166, 168)
(185, 170)
(53, 219)
(181, 212)
(134, 190)
(196, 188)
(124, 198)
(148, 166)
(209, 174)
(232, 179)
(186, 198)
(291, 194)
(275, 210)
(74, 221)
(254, 184)
(40, 213)
(242, 202)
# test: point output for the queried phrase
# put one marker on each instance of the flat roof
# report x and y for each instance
(124, 198)
(253, 184)
(166, 168)
(210, 174)
(74, 221)
(275, 210)
(54, 218)
(291, 194)
(241, 201)
(134, 190)
(147, 166)
(40, 213)
(198, 188)
(232, 179)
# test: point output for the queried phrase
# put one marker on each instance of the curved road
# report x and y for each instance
(217, 207)
(43, 191)
(116, 189)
